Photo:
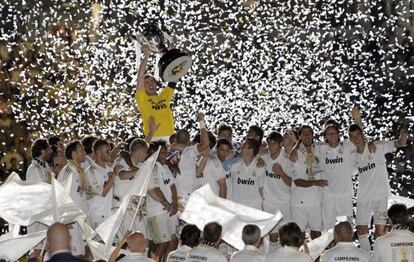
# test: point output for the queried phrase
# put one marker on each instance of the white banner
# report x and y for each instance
(204, 207)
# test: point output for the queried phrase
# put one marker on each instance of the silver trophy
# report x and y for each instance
(174, 63)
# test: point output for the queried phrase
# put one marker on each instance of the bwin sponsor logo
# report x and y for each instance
(245, 181)
(336, 160)
(366, 168)
(272, 175)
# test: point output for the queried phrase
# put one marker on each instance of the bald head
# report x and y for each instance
(58, 238)
(343, 232)
(136, 242)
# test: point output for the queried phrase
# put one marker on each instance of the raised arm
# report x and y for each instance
(356, 115)
(142, 67)
(204, 141)
(402, 141)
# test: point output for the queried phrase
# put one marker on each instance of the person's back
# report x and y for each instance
(288, 254)
(251, 236)
(189, 238)
(136, 245)
(58, 244)
(179, 254)
(248, 254)
(205, 253)
(291, 238)
(346, 251)
(398, 245)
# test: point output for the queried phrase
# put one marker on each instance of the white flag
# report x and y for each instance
(317, 246)
(139, 187)
(12, 248)
(204, 207)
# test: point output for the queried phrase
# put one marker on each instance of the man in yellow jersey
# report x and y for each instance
(152, 104)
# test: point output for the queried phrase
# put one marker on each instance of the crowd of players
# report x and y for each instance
(310, 182)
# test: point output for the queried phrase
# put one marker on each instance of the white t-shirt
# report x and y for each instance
(161, 177)
(372, 170)
(205, 253)
(70, 175)
(306, 195)
(121, 186)
(38, 171)
(185, 180)
(398, 245)
(288, 254)
(338, 168)
(248, 254)
(179, 255)
(275, 191)
(346, 251)
(99, 206)
(213, 172)
(135, 257)
(246, 181)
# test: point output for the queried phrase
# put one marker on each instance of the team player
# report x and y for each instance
(306, 194)
(345, 250)
(247, 178)
(207, 251)
(39, 171)
(101, 178)
(251, 237)
(338, 169)
(87, 143)
(373, 189)
(151, 104)
(397, 245)
(162, 202)
(277, 182)
(185, 180)
(73, 175)
(210, 170)
(189, 238)
(129, 167)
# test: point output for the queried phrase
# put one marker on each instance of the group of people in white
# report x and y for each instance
(310, 182)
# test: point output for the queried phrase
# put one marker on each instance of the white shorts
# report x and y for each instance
(365, 210)
(77, 242)
(333, 207)
(161, 227)
(282, 207)
(309, 215)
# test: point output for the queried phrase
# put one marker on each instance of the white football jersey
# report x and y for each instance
(346, 251)
(213, 172)
(99, 206)
(246, 181)
(69, 174)
(38, 171)
(398, 245)
(185, 180)
(304, 195)
(161, 177)
(275, 190)
(372, 170)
